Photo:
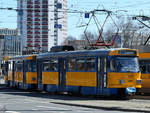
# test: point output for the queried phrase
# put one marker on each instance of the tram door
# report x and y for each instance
(102, 79)
(13, 72)
(6, 71)
(39, 74)
(24, 72)
(62, 72)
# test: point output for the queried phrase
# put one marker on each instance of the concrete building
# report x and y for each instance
(42, 23)
(10, 42)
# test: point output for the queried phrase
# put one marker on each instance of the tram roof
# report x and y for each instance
(22, 57)
(96, 52)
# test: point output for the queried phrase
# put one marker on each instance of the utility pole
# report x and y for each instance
(57, 6)
(55, 23)
(141, 19)
(2, 46)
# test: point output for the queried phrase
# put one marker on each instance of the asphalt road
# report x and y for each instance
(19, 101)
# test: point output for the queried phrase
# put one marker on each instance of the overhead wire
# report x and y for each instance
(71, 10)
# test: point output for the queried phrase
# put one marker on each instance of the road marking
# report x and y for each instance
(83, 111)
(38, 101)
(34, 109)
(11, 112)
(52, 107)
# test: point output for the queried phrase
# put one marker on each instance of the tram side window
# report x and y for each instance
(80, 64)
(143, 66)
(34, 66)
(28, 66)
(46, 64)
(112, 65)
(16, 69)
(53, 65)
(19, 66)
(90, 64)
(148, 66)
(10, 66)
(31, 66)
(71, 64)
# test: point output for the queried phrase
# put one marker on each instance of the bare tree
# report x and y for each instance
(129, 32)
(69, 38)
(92, 37)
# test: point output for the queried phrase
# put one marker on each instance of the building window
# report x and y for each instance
(71, 64)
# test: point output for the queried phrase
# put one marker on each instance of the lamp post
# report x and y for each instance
(2, 48)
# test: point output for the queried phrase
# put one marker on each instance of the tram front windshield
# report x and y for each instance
(124, 64)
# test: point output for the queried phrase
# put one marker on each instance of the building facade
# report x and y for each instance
(42, 23)
(10, 42)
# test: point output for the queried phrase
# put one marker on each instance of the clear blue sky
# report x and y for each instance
(8, 19)
(133, 7)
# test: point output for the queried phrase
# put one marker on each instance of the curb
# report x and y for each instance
(102, 108)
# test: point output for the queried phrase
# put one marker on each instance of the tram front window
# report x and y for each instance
(124, 64)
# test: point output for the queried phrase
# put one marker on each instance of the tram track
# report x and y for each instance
(144, 97)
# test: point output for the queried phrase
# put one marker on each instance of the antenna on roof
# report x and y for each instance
(100, 40)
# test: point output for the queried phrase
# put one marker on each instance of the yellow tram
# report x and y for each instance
(88, 72)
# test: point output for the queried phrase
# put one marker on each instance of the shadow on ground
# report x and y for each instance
(59, 96)
(66, 97)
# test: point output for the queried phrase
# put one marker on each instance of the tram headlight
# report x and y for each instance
(33, 78)
(138, 81)
(121, 81)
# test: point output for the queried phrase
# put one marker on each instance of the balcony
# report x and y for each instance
(45, 28)
(37, 2)
(45, 15)
(44, 23)
(29, 6)
(45, 36)
(45, 6)
(45, 2)
(29, 2)
(29, 41)
(29, 36)
(37, 28)
(45, 19)
(29, 10)
(36, 45)
(44, 39)
(29, 19)
(37, 19)
(29, 29)
(36, 6)
(36, 23)
(37, 15)
(45, 11)
(45, 32)
(29, 32)
(29, 24)
(44, 45)
(29, 45)
(37, 32)
(29, 15)
(45, 42)
(37, 37)
(37, 41)
(37, 11)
